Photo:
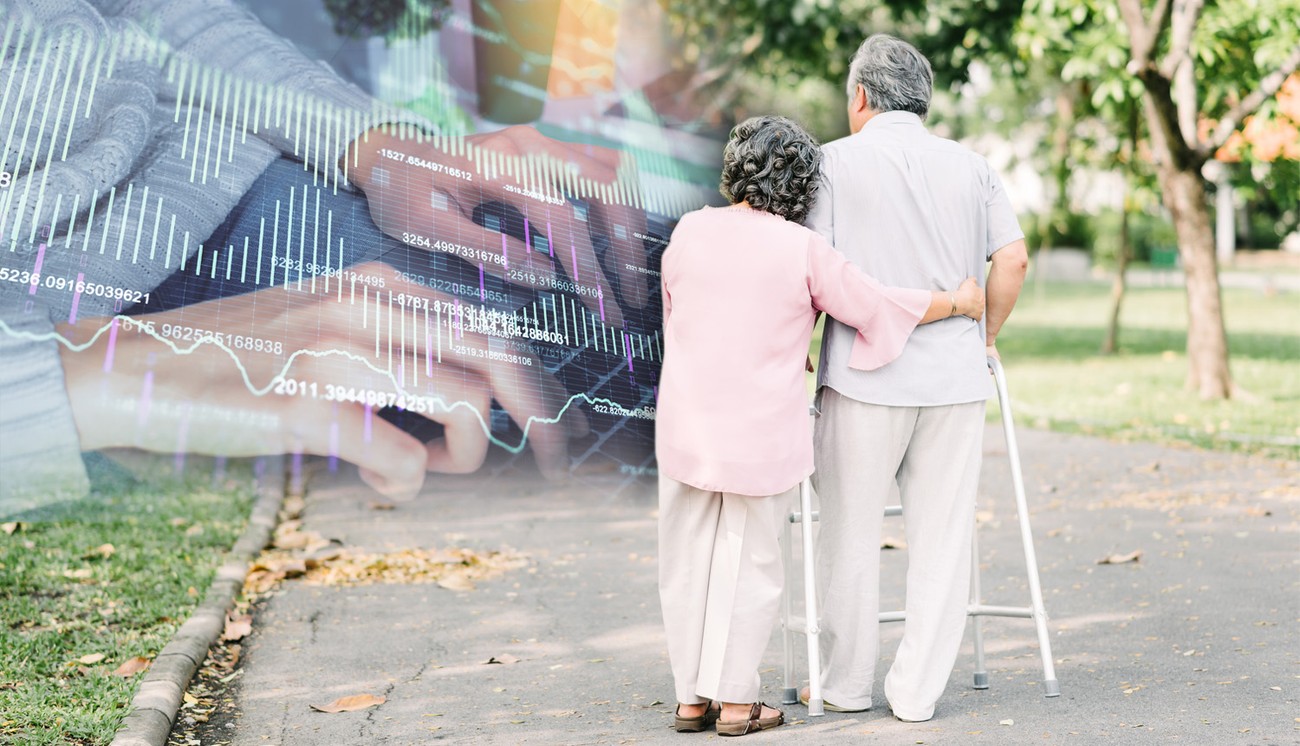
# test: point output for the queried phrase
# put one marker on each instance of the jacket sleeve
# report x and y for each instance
(306, 110)
(884, 316)
(40, 452)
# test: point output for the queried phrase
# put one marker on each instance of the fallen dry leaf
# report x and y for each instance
(293, 506)
(91, 659)
(289, 567)
(289, 535)
(322, 555)
(456, 583)
(454, 568)
(377, 505)
(132, 666)
(506, 659)
(1119, 559)
(892, 543)
(1006, 722)
(237, 628)
(352, 703)
(261, 581)
(103, 550)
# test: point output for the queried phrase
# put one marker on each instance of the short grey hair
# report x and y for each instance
(895, 75)
(771, 163)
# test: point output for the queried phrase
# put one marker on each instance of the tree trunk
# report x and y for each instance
(1110, 345)
(1178, 169)
(1207, 343)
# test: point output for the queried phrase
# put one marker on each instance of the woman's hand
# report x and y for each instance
(427, 196)
(970, 299)
(285, 370)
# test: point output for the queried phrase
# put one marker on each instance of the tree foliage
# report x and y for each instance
(1233, 48)
(799, 39)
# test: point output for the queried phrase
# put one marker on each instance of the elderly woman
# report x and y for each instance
(742, 286)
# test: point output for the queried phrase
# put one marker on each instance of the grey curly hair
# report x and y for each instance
(771, 163)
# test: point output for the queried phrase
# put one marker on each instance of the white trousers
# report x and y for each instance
(720, 578)
(933, 454)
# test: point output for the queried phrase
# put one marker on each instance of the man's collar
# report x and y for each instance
(888, 118)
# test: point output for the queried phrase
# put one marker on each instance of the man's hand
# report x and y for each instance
(422, 195)
(287, 371)
(992, 351)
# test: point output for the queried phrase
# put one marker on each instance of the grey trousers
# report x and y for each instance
(720, 579)
(933, 454)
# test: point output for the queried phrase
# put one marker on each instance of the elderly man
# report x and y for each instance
(914, 210)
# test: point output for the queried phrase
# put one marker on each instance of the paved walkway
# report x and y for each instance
(1196, 642)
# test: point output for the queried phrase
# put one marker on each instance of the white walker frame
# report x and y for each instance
(792, 625)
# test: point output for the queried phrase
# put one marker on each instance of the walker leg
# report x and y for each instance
(1051, 688)
(789, 691)
(981, 674)
(812, 621)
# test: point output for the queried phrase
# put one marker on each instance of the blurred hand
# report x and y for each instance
(304, 371)
(407, 183)
(992, 351)
(970, 299)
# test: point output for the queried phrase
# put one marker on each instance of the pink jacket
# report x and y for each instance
(741, 288)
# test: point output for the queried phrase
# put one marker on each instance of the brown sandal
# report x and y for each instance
(698, 723)
(753, 724)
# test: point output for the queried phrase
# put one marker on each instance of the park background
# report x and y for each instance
(1150, 147)
(1153, 154)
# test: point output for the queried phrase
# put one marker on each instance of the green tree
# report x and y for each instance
(1200, 71)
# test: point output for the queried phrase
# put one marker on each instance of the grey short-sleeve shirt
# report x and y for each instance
(917, 211)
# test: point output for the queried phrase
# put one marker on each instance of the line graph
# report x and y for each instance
(111, 328)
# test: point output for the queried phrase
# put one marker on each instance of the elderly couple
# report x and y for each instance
(899, 403)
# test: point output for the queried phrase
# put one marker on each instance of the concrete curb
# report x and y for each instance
(162, 690)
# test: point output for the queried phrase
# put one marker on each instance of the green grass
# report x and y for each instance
(1058, 380)
(59, 600)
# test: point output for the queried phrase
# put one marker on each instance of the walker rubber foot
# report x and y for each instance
(982, 680)
(790, 696)
(1051, 688)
